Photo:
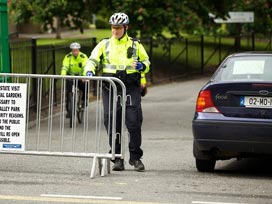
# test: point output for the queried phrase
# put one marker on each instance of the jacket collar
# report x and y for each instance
(124, 39)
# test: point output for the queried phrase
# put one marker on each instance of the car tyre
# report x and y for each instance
(205, 165)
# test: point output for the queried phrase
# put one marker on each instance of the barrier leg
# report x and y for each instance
(108, 165)
(100, 165)
(93, 167)
(104, 165)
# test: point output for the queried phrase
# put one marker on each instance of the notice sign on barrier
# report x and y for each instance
(12, 116)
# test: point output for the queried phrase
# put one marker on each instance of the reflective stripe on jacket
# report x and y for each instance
(143, 79)
(113, 55)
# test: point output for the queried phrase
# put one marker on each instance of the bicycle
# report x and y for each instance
(75, 105)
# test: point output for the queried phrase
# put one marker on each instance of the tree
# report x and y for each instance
(147, 17)
(152, 17)
(66, 13)
(262, 17)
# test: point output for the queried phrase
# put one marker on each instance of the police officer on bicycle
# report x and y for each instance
(73, 64)
(123, 57)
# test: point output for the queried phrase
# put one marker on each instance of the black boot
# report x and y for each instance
(118, 165)
(138, 165)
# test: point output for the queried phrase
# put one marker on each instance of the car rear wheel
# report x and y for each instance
(205, 165)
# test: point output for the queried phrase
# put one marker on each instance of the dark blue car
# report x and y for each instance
(233, 116)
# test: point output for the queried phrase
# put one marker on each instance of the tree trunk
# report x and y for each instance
(58, 28)
(237, 42)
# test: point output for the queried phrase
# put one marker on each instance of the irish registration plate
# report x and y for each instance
(256, 101)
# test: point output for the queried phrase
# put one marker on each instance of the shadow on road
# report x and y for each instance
(248, 167)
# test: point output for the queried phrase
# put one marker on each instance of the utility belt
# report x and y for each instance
(111, 68)
(128, 79)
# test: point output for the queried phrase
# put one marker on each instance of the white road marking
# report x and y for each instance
(204, 202)
(81, 197)
(40, 199)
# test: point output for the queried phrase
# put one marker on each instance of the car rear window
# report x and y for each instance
(248, 67)
(245, 68)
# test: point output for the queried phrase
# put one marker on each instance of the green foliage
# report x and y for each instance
(262, 15)
(46, 10)
(21, 11)
(152, 17)
(101, 23)
(147, 17)
(70, 14)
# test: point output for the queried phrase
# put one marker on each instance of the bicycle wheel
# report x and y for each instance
(80, 109)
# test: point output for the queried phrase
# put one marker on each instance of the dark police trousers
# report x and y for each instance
(133, 120)
(69, 85)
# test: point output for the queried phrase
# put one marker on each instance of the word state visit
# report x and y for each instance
(9, 88)
(10, 94)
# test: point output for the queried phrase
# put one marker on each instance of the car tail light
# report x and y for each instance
(204, 102)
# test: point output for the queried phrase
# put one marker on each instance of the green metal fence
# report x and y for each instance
(170, 58)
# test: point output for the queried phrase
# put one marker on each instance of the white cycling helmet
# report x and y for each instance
(75, 45)
(119, 19)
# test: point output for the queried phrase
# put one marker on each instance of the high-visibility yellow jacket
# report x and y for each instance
(117, 55)
(72, 65)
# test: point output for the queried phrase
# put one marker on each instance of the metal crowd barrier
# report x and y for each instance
(33, 118)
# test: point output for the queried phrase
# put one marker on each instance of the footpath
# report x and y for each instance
(88, 33)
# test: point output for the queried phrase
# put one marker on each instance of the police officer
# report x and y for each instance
(123, 57)
(73, 64)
